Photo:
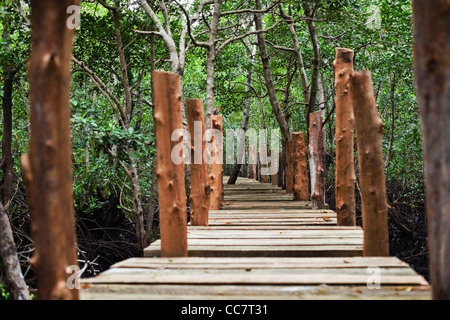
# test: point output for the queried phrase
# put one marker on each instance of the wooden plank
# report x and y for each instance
(249, 292)
(272, 211)
(268, 205)
(278, 263)
(141, 275)
(259, 251)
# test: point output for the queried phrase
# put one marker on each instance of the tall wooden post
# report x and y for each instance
(216, 177)
(199, 195)
(432, 68)
(299, 167)
(48, 165)
(274, 176)
(289, 168)
(171, 186)
(369, 131)
(316, 153)
(345, 170)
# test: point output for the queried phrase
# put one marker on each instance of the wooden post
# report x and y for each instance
(171, 186)
(216, 177)
(274, 176)
(264, 166)
(299, 166)
(432, 68)
(199, 195)
(369, 131)
(289, 168)
(316, 153)
(345, 170)
(48, 165)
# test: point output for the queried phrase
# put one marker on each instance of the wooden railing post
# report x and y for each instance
(216, 177)
(316, 152)
(432, 68)
(200, 189)
(289, 168)
(274, 176)
(299, 167)
(171, 185)
(345, 170)
(47, 167)
(369, 131)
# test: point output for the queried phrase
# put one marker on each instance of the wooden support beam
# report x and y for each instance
(369, 131)
(200, 189)
(316, 153)
(171, 186)
(48, 165)
(289, 168)
(299, 167)
(345, 170)
(432, 68)
(216, 177)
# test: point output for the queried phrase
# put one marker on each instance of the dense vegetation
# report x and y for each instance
(119, 43)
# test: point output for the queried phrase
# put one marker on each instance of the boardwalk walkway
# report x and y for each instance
(262, 245)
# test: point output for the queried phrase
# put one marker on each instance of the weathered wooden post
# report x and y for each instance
(345, 170)
(369, 131)
(289, 167)
(316, 152)
(299, 167)
(274, 175)
(48, 165)
(216, 177)
(170, 171)
(432, 68)
(199, 195)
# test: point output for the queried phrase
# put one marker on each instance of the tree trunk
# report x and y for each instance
(369, 131)
(289, 167)
(200, 189)
(210, 61)
(432, 67)
(48, 165)
(316, 62)
(299, 165)
(279, 114)
(171, 185)
(7, 161)
(316, 153)
(345, 170)
(141, 235)
(8, 255)
(216, 178)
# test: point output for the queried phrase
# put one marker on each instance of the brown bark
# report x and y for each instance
(345, 170)
(8, 255)
(199, 195)
(369, 131)
(432, 67)
(316, 154)
(172, 193)
(216, 177)
(299, 166)
(289, 167)
(48, 165)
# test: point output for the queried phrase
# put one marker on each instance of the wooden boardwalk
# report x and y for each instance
(262, 245)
